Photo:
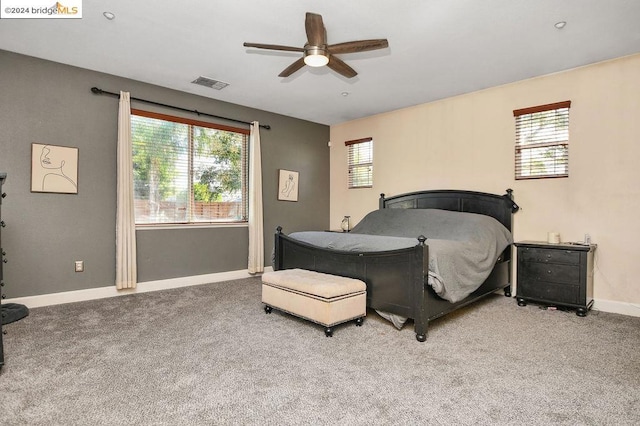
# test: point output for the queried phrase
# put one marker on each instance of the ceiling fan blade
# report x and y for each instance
(339, 66)
(274, 47)
(292, 68)
(316, 33)
(358, 46)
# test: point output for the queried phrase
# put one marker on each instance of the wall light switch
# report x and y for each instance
(79, 265)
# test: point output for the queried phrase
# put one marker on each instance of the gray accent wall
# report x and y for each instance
(51, 103)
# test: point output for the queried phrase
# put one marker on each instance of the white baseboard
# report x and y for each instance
(624, 308)
(111, 291)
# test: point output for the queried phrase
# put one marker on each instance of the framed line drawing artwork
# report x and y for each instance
(54, 169)
(288, 185)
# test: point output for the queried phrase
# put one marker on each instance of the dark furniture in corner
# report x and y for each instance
(397, 280)
(3, 176)
(555, 274)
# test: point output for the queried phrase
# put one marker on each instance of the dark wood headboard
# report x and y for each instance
(500, 207)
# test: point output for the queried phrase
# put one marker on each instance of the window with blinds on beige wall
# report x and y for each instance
(360, 162)
(542, 141)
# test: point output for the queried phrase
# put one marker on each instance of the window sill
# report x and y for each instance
(156, 227)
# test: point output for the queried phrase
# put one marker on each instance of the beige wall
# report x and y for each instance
(467, 142)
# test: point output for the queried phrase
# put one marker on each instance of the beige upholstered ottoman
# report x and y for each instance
(322, 298)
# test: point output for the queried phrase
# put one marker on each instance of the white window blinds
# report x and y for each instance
(542, 141)
(360, 162)
(187, 171)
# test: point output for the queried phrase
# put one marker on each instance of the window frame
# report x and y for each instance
(245, 164)
(524, 115)
(352, 164)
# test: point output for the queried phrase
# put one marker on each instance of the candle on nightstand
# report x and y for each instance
(553, 237)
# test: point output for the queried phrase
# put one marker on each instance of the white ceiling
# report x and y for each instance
(437, 48)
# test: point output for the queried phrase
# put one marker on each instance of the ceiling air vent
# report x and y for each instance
(209, 82)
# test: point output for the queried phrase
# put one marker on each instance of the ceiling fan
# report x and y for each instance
(318, 53)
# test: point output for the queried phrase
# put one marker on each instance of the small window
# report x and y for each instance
(187, 171)
(360, 163)
(542, 141)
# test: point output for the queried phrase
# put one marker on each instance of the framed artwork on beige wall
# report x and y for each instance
(54, 169)
(288, 185)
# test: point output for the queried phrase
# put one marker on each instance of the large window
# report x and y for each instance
(360, 162)
(187, 171)
(542, 141)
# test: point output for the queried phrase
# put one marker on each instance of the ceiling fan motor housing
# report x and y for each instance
(316, 56)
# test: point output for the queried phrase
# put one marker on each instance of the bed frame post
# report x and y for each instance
(514, 206)
(420, 319)
(277, 250)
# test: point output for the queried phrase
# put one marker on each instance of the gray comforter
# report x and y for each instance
(463, 247)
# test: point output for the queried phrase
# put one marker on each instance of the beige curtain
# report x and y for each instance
(256, 233)
(126, 271)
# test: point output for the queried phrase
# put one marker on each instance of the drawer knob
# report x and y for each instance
(4, 194)
(2, 223)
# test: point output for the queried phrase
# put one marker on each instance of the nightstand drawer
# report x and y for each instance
(557, 273)
(547, 291)
(549, 256)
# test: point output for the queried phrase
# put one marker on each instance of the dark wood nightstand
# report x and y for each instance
(555, 274)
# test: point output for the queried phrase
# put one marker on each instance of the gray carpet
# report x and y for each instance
(210, 355)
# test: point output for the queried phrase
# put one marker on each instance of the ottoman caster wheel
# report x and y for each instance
(359, 321)
(507, 293)
(521, 302)
(267, 309)
(328, 332)
(421, 337)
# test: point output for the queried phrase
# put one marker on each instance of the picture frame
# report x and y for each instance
(54, 169)
(288, 185)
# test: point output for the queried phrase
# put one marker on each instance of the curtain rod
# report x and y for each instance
(97, 91)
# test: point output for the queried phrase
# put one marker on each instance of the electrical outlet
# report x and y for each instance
(79, 265)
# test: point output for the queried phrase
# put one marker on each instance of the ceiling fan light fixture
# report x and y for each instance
(315, 56)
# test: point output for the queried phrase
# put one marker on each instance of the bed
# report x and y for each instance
(396, 271)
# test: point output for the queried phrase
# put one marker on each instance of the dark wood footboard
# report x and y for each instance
(386, 273)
